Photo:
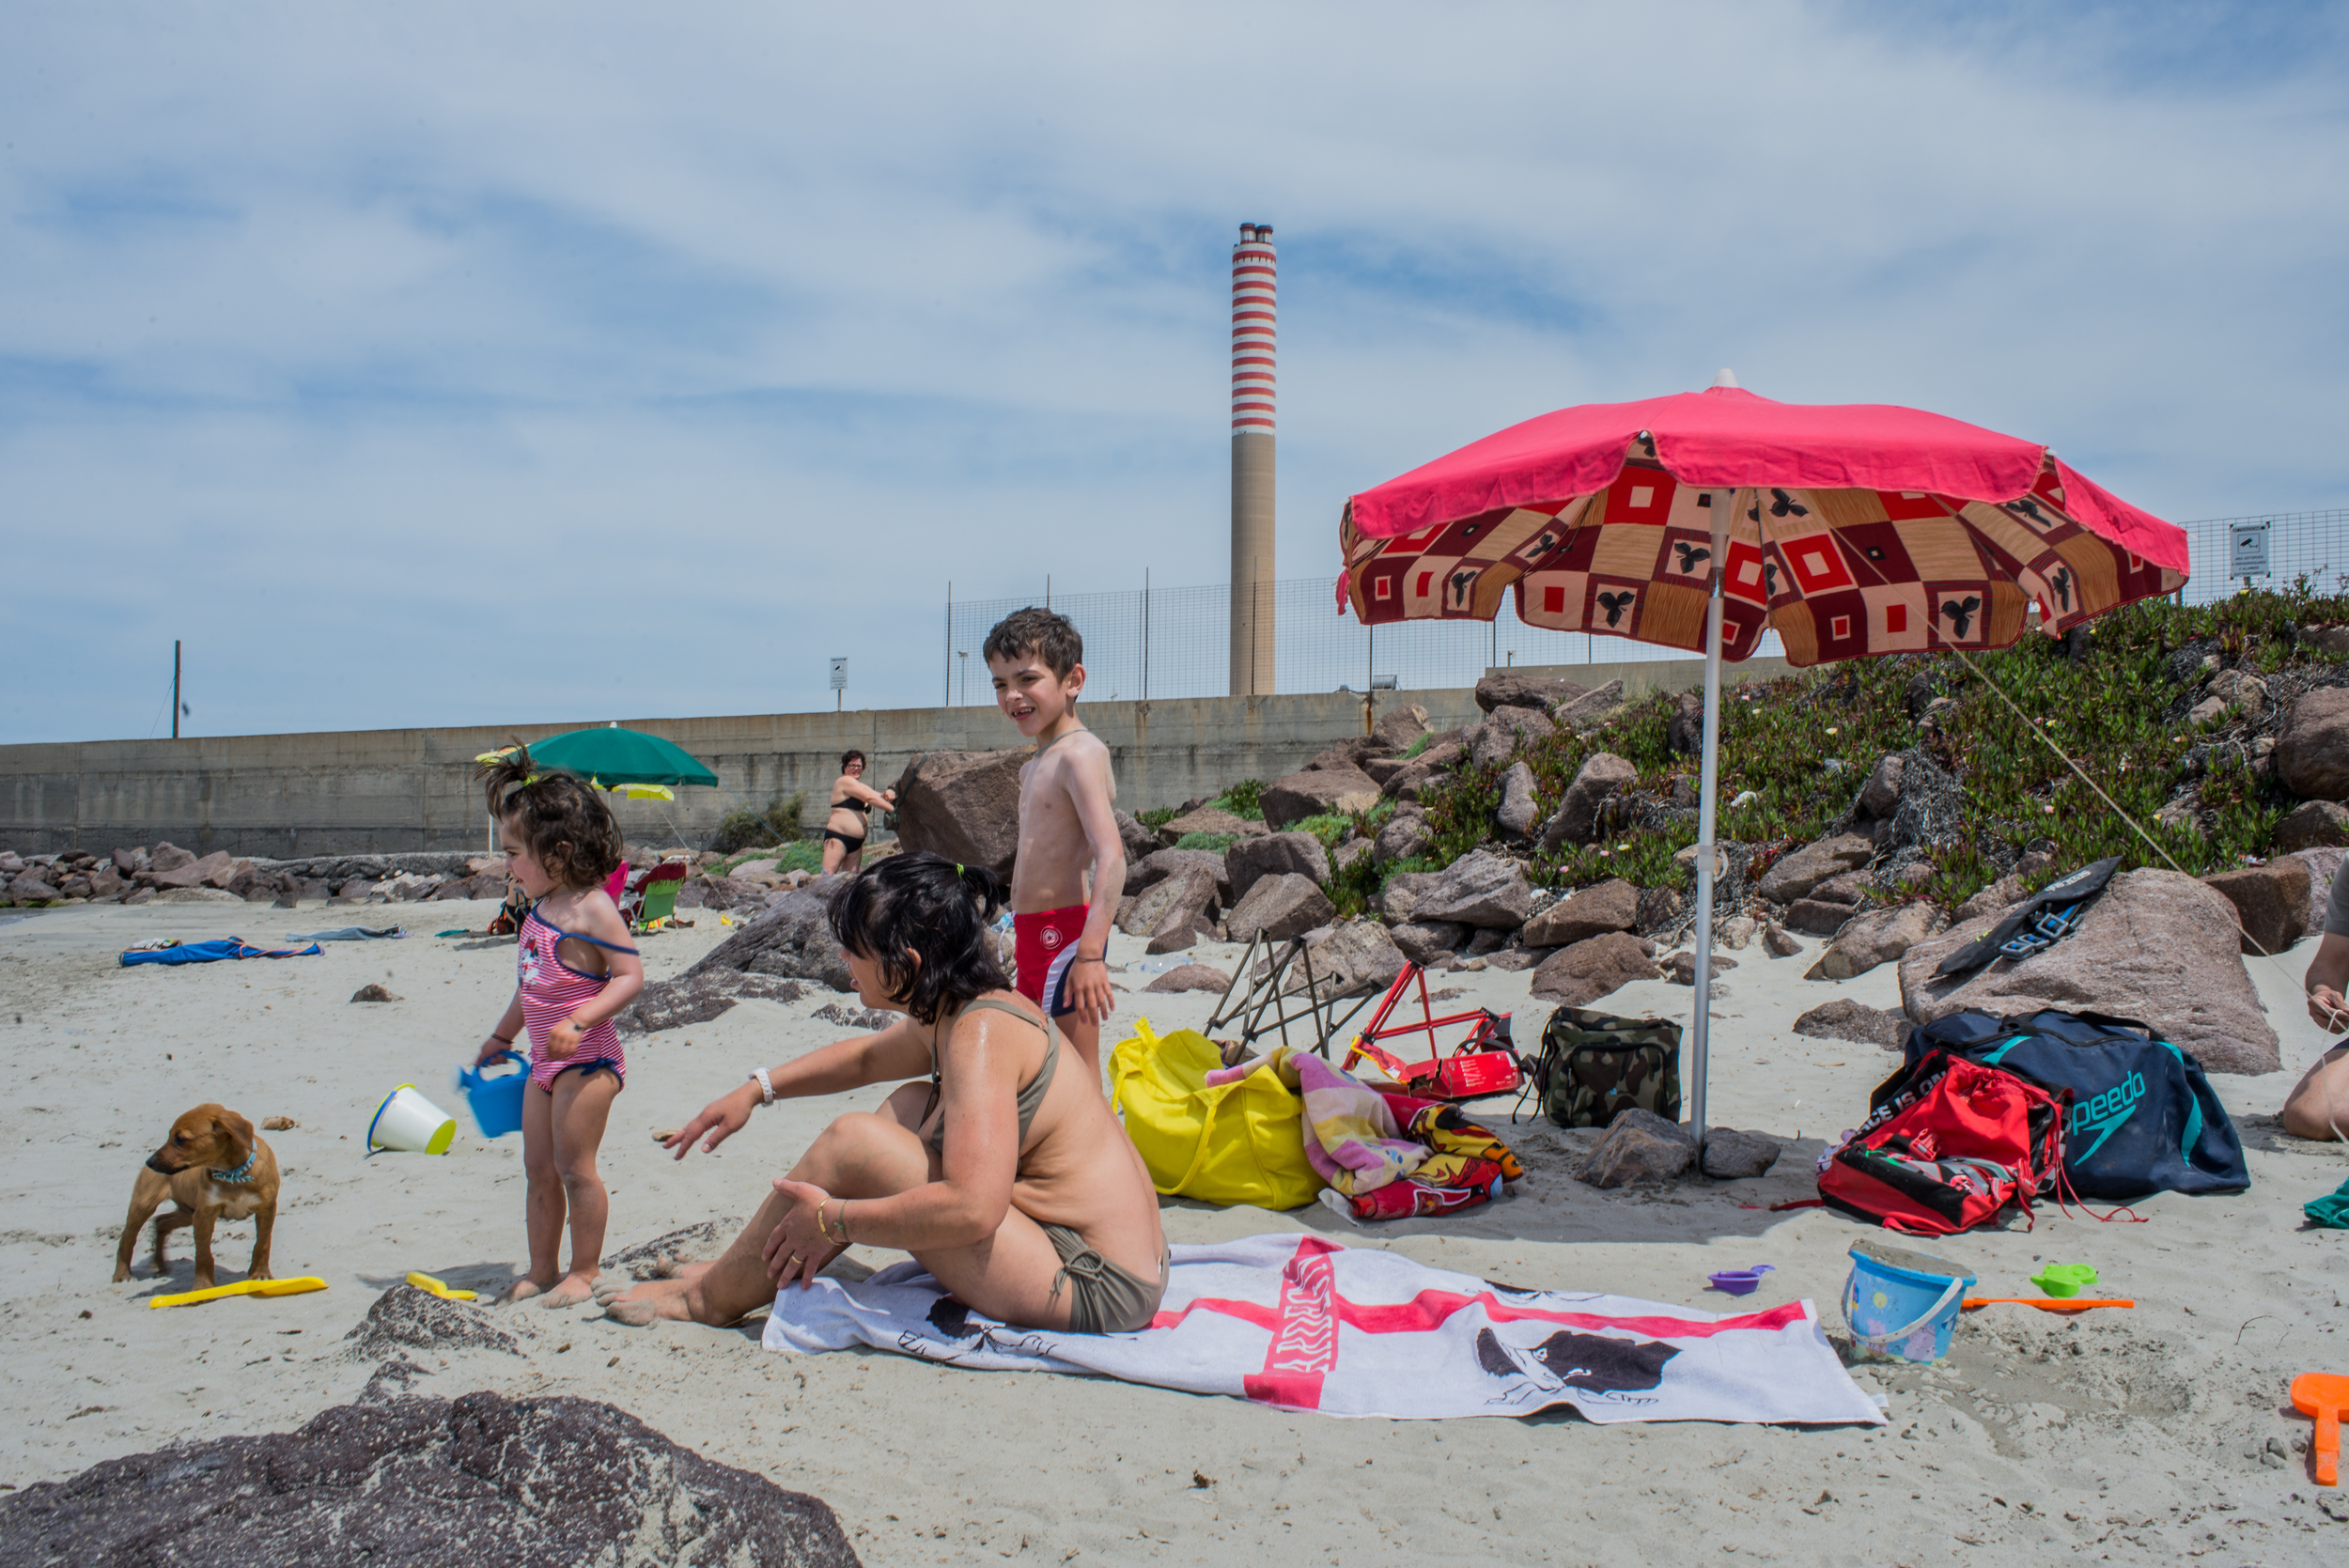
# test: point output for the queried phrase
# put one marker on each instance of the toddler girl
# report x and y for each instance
(576, 969)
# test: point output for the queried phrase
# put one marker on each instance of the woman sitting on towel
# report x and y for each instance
(999, 1166)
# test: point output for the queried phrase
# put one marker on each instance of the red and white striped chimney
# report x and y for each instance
(1253, 305)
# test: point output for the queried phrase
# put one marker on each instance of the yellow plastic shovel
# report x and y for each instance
(427, 1283)
(242, 1287)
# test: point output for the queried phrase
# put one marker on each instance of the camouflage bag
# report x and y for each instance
(1594, 1065)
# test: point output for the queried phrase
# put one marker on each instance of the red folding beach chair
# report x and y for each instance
(1483, 1065)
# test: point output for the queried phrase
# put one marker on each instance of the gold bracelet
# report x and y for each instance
(820, 1229)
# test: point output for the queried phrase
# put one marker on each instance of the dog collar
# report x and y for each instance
(242, 1172)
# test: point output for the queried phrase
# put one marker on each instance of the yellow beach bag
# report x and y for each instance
(1239, 1143)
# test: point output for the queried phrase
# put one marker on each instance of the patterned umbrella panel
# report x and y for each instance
(1837, 573)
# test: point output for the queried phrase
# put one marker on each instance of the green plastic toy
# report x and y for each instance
(2065, 1279)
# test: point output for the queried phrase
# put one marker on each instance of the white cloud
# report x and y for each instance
(447, 364)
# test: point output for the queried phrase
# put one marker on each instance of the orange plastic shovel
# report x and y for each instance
(2045, 1303)
(2324, 1396)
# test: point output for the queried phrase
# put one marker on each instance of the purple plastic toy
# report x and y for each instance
(1740, 1282)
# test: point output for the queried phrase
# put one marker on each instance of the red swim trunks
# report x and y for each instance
(1044, 945)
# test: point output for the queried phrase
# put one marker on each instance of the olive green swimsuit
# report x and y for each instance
(1104, 1297)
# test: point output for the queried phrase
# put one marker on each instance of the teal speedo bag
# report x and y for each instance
(2143, 1116)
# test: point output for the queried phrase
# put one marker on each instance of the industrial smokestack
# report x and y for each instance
(1253, 293)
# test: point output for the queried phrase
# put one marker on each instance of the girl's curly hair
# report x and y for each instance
(569, 827)
(927, 904)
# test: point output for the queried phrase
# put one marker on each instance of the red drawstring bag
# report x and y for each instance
(1949, 1143)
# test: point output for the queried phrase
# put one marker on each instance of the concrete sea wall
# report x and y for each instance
(384, 791)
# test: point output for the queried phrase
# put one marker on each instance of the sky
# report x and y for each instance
(535, 364)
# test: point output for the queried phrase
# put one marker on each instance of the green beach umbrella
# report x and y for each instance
(612, 757)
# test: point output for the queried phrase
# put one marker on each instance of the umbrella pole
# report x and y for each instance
(1708, 787)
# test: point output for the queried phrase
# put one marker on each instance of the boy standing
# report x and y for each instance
(1060, 924)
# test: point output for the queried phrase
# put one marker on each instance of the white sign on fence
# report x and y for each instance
(840, 674)
(2248, 554)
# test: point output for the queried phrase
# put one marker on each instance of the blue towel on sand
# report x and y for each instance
(208, 953)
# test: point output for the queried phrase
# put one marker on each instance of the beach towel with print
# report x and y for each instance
(1301, 1322)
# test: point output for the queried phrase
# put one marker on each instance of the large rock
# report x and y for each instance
(1400, 725)
(1993, 899)
(1875, 937)
(169, 856)
(1431, 942)
(2158, 946)
(1514, 688)
(2314, 824)
(1158, 865)
(1175, 907)
(1795, 874)
(792, 938)
(1479, 889)
(2242, 691)
(1278, 908)
(1424, 772)
(1578, 975)
(1856, 1021)
(216, 869)
(1817, 916)
(1681, 968)
(964, 805)
(1208, 819)
(1342, 755)
(1191, 977)
(1359, 958)
(1610, 905)
(1317, 792)
(1638, 1146)
(2312, 747)
(1592, 708)
(1404, 836)
(481, 1479)
(1135, 836)
(1577, 820)
(1732, 1156)
(1519, 814)
(1400, 898)
(2272, 900)
(1274, 854)
(1880, 796)
(698, 997)
(1500, 738)
(2324, 865)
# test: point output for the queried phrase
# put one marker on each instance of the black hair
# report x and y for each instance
(927, 904)
(851, 755)
(566, 823)
(1047, 633)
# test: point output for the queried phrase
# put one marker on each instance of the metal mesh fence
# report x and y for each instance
(1171, 642)
(2310, 544)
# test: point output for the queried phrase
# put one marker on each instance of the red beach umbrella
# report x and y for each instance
(1701, 519)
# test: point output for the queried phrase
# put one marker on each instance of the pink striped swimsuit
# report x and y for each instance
(551, 992)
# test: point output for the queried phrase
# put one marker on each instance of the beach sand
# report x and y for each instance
(2142, 1437)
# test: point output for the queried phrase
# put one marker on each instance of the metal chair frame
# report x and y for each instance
(1258, 996)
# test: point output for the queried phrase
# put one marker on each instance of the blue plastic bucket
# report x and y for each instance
(1903, 1303)
(497, 1102)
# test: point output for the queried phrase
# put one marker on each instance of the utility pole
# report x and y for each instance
(174, 688)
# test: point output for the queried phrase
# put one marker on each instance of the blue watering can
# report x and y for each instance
(497, 1102)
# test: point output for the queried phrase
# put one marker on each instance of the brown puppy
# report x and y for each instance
(212, 1167)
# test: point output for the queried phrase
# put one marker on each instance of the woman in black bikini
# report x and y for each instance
(999, 1166)
(844, 830)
